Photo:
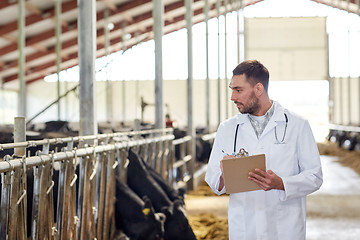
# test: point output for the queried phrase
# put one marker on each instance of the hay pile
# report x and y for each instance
(209, 226)
(347, 158)
(202, 190)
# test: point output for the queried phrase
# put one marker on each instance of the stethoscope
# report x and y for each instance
(276, 137)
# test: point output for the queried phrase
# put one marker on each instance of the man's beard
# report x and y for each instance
(252, 106)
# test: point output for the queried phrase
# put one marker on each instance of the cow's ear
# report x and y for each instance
(167, 211)
(148, 208)
(181, 192)
(178, 203)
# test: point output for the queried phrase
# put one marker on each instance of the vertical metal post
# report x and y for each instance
(331, 84)
(87, 55)
(21, 59)
(349, 79)
(226, 63)
(137, 89)
(218, 80)
(191, 129)
(109, 101)
(58, 49)
(207, 87)
(123, 39)
(358, 121)
(349, 95)
(2, 100)
(19, 135)
(88, 126)
(341, 101)
(158, 16)
(331, 100)
(238, 31)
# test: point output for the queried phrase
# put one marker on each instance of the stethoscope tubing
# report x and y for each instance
(280, 142)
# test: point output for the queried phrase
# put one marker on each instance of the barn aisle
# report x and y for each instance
(333, 211)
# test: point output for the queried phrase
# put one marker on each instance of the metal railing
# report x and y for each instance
(85, 168)
(85, 183)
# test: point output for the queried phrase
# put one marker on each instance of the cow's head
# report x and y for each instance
(177, 226)
(156, 221)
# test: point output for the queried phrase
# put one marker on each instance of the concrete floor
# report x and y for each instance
(334, 210)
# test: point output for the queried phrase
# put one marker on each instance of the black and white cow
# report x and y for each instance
(142, 183)
(135, 217)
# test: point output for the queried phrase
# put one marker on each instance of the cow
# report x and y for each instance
(143, 184)
(136, 217)
(170, 191)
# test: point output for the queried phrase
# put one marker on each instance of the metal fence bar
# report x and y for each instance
(344, 128)
(59, 156)
(81, 138)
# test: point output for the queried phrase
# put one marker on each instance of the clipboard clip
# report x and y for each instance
(242, 153)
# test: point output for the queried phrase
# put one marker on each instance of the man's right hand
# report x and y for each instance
(221, 183)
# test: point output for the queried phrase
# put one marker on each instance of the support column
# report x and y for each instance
(123, 44)
(218, 80)
(158, 16)
(238, 32)
(19, 135)
(191, 128)
(226, 63)
(88, 123)
(341, 101)
(207, 87)
(358, 121)
(58, 49)
(87, 56)
(109, 96)
(21, 59)
(349, 96)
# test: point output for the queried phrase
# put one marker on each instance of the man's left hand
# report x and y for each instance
(266, 180)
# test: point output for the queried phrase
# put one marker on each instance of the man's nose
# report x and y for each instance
(233, 96)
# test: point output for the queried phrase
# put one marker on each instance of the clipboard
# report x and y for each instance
(236, 171)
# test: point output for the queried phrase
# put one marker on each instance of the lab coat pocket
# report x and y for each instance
(282, 159)
(290, 215)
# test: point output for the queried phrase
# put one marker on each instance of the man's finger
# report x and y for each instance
(256, 176)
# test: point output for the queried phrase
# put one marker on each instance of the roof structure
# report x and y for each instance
(131, 20)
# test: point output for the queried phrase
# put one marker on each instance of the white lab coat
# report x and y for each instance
(274, 214)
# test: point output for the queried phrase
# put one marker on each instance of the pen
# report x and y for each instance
(227, 153)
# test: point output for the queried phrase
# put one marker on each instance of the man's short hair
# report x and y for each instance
(254, 71)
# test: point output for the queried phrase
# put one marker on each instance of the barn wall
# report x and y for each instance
(293, 48)
(345, 100)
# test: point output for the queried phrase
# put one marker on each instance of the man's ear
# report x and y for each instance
(259, 89)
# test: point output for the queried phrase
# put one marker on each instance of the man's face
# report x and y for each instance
(243, 95)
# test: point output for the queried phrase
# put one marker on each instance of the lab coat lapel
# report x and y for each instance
(245, 125)
(277, 117)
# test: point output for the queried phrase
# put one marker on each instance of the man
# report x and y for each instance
(293, 168)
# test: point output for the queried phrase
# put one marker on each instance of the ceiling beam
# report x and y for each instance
(70, 26)
(36, 18)
(122, 7)
(110, 4)
(31, 8)
(100, 46)
(51, 33)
